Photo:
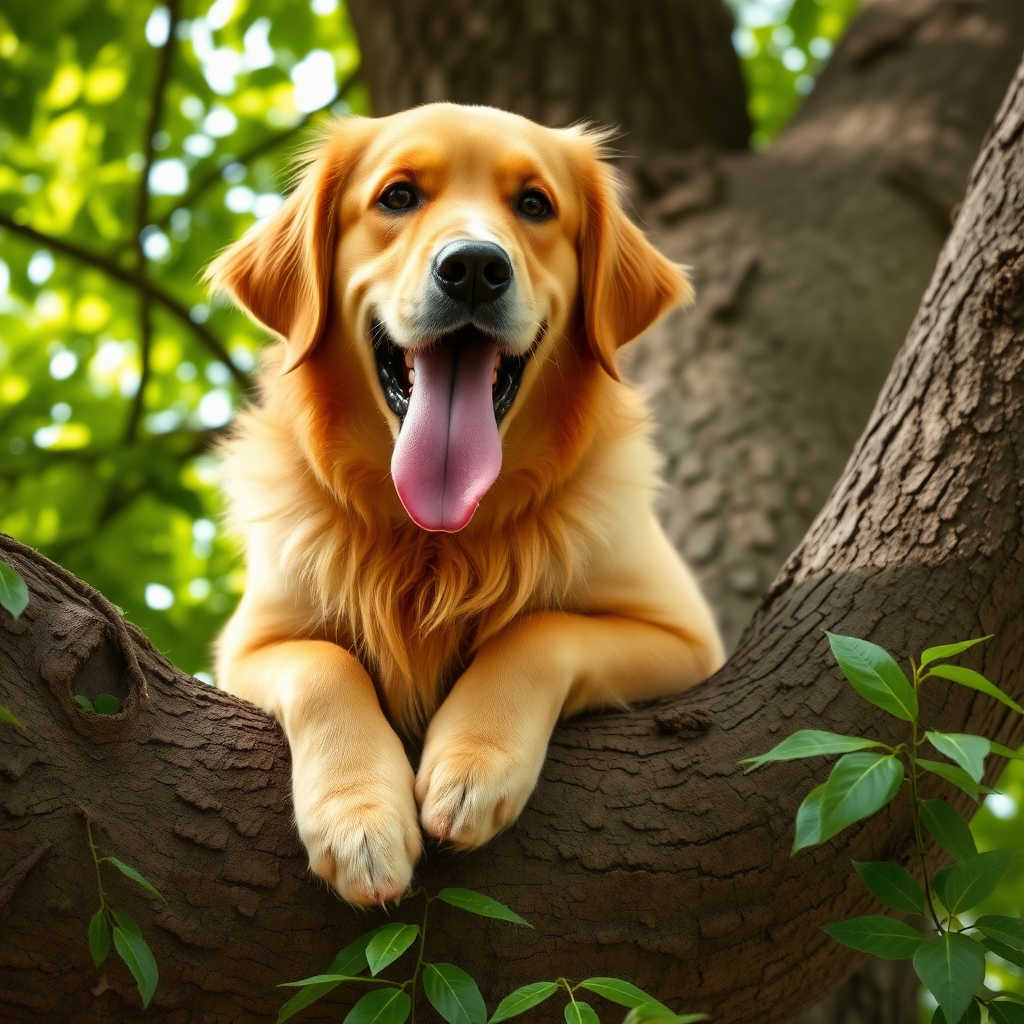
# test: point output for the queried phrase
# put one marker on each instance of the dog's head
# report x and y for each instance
(450, 257)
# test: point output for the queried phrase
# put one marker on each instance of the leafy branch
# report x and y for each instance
(133, 279)
(450, 990)
(131, 947)
(951, 963)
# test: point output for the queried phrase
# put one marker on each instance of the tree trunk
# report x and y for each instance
(645, 851)
(810, 257)
(663, 70)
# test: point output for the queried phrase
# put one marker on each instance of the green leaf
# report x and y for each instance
(386, 1005)
(478, 903)
(975, 879)
(875, 675)
(577, 1012)
(1014, 956)
(7, 717)
(974, 681)
(952, 968)
(389, 944)
(971, 1016)
(99, 937)
(1008, 930)
(129, 872)
(325, 979)
(134, 951)
(939, 884)
(810, 743)
(948, 829)
(860, 785)
(956, 775)
(950, 650)
(998, 748)
(126, 923)
(13, 592)
(892, 884)
(966, 750)
(523, 999)
(654, 1013)
(808, 820)
(454, 994)
(84, 701)
(348, 962)
(1002, 1011)
(622, 992)
(884, 936)
(106, 704)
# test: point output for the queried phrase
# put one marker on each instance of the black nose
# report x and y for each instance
(472, 272)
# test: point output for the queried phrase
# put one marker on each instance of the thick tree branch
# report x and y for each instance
(644, 844)
(135, 280)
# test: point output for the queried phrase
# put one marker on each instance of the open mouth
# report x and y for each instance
(450, 396)
(397, 375)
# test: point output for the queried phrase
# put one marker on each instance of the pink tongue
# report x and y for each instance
(448, 451)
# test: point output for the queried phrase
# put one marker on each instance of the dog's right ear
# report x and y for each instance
(279, 272)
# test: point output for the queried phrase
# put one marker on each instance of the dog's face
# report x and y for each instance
(451, 252)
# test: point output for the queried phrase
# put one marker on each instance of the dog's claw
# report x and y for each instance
(468, 795)
(364, 843)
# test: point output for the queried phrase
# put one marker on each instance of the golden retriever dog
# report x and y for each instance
(445, 491)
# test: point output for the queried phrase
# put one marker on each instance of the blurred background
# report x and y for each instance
(136, 140)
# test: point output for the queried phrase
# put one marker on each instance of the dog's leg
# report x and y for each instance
(485, 746)
(352, 782)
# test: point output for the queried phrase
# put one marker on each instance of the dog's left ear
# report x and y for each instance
(279, 272)
(626, 283)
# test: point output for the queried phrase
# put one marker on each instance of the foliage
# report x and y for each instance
(104, 704)
(128, 941)
(135, 141)
(952, 962)
(449, 989)
(784, 44)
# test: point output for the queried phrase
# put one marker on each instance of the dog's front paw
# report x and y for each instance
(470, 790)
(362, 836)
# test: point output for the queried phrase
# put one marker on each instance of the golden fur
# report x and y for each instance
(561, 593)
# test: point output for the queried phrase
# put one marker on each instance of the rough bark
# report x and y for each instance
(663, 70)
(810, 257)
(645, 850)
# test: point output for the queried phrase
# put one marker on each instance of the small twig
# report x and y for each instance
(145, 347)
(156, 114)
(133, 279)
(258, 149)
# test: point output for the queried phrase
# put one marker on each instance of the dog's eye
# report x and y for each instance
(399, 197)
(534, 204)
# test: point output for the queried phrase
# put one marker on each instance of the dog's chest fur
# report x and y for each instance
(412, 605)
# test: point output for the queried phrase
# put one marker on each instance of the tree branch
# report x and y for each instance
(153, 122)
(258, 149)
(133, 279)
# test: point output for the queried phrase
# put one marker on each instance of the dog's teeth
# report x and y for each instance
(412, 377)
(494, 378)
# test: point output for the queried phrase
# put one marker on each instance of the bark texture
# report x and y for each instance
(663, 70)
(645, 850)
